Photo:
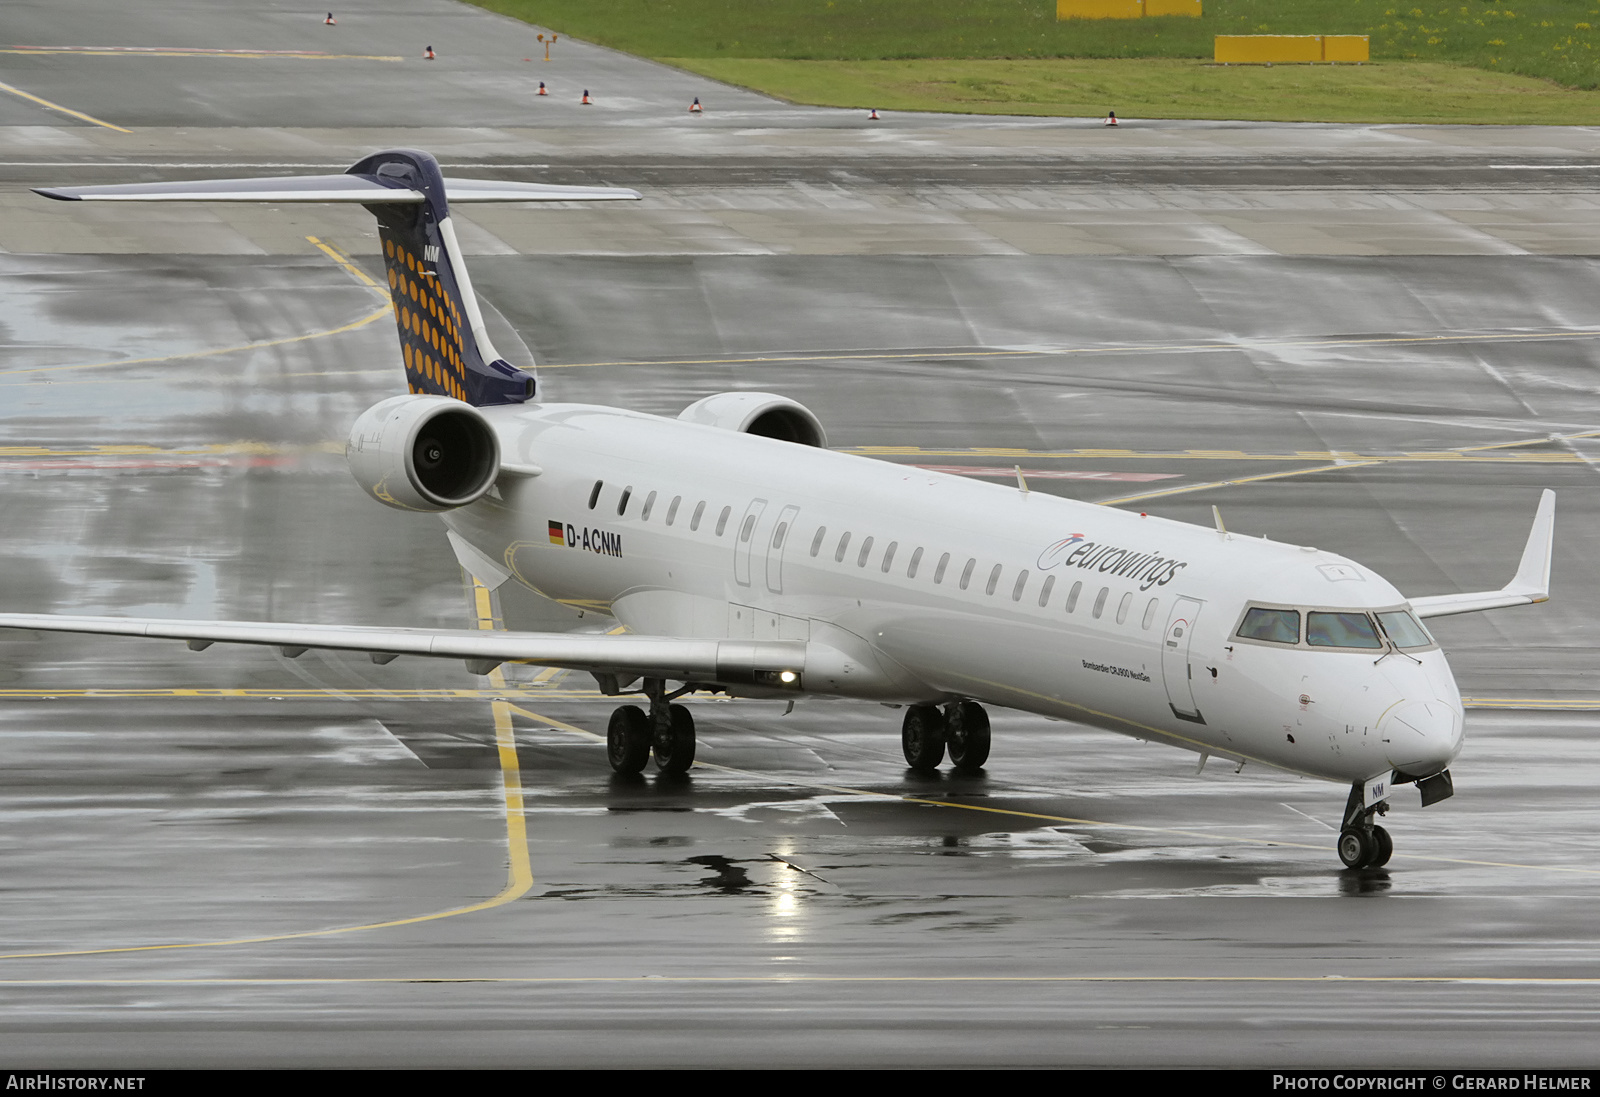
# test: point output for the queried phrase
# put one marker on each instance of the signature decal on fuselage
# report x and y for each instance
(598, 541)
(1149, 569)
(1120, 672)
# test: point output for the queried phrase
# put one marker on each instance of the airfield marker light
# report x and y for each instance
(1111, 119)
(547, 42)
(427, 54)
(873, 116)
(330, 21)
(586, 101)
(541, 88)
(695, 108)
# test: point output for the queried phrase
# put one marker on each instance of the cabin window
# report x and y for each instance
(594, 494)
(1405, 630)
(994, 578)
(1100, 602)
(779, 534)
(1150, 613)
(622, 504)
(1044, 591)
(866, 550)
(916, 562)
(1341, 630)
(748, 528)
(938, 572)
(672, 508)
(1022, 581)
(1281, 626)
(722, 520)
(699, 512)
(649, 505)
(966, 573)
(1072, 596)
(844, 543)
(816, 542)
(888, 555)
(1122, 608)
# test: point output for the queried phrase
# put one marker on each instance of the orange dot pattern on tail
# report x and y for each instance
(429, 322)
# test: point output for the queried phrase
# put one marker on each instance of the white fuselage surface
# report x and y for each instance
(930, 587)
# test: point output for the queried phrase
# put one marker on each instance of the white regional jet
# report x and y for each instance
(745, 557)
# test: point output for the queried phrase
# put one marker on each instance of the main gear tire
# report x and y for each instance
(628, 739)
(922, 738)
(674, 743)
(966, 735)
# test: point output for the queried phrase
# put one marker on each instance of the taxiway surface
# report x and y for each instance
(231, 858)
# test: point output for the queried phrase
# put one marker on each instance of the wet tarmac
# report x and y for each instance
(232, 858)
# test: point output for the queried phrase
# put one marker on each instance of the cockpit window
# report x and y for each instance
(1281, 626)
(1341, 630)
(1405, 630)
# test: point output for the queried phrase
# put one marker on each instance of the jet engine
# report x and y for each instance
(764, 413)
(423, 453)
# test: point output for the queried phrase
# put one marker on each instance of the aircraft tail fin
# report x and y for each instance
(443, 339)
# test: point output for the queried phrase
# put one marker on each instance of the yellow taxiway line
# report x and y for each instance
(244, 55)
(64, 110)
(1063, 819)
(1111, 349)
(519, 875)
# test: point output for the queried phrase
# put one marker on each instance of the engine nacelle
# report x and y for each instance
(764, 413)
(423, 453)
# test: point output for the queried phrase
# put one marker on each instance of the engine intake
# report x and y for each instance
(763, 413)
(423, 453)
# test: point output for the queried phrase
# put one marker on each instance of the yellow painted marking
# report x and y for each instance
(779, 978)
(1043, 817)
(333, 254)
(187, 355)
(987, 352)
(350, 268)
(63, 110)
(246, 55)
(519, 875)
(1286, 473)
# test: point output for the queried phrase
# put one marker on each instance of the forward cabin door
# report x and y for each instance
(1175, 667)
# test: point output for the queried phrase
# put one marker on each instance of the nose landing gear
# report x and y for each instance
(667, 731)
(1361, 843)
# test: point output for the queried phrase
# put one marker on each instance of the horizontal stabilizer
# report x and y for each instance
(366, 189)
(1531, 583)
(680, 659)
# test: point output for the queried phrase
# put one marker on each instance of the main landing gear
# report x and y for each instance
(1361, 843)
(667, 731)
(961, 727)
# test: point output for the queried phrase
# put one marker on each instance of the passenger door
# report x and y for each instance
(1175, 668)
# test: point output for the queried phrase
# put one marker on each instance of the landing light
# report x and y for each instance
(788, 677)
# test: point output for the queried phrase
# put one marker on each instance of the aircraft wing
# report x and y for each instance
(368, 189)
(1531, 583)
(763, 662)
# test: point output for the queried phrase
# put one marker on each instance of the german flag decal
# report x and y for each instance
(558, 534)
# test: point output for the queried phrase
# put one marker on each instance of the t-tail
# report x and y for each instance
(443, 341)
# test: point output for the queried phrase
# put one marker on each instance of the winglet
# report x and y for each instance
(1533, 573)
(1531, 583)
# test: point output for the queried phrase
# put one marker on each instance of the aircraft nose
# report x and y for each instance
(1423, 736)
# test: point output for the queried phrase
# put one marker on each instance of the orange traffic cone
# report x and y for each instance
(330, 21)
(694, 108)
(585, 101)
(873, 117)
(1111, 119)
(427, 54)
(541, 88)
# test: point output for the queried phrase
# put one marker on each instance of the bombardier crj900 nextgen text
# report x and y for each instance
(745, 557)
